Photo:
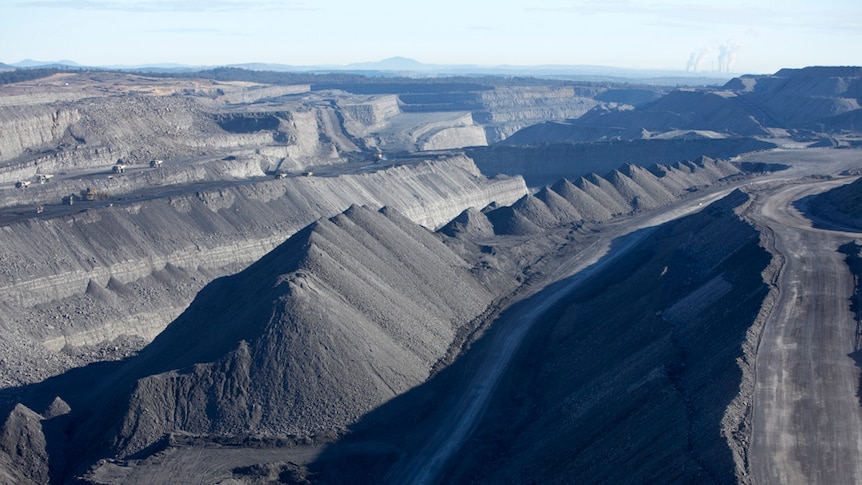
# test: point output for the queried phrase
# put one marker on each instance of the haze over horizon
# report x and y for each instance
(756, 36)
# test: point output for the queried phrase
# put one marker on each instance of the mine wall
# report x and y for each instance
(22, 128)
(504, 110)
(94, 133)
(89, 272)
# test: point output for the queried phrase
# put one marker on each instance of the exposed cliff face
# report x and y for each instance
(95, 132)
(504, 110)
(33, 128)
(131, 268)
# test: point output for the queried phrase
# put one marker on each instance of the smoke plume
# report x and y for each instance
(695, 61)
(727, 55)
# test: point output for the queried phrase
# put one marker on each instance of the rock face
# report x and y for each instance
(128, 270)
(499, 110)
(344, 315)
(23, 454)
(634, 376)
(97, 132)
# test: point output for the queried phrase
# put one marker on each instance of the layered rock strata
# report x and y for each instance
(129, 269)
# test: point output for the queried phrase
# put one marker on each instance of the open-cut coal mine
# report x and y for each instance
(247, 277)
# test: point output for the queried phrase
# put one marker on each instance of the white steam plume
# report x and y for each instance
(727, 55)
(695, 61)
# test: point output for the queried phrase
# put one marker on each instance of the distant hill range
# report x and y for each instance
(406, 66)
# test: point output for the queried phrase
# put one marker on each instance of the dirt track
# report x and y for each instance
(807, 421)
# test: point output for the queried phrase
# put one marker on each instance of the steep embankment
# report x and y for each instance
(547, 163)
(344, 315)
(498, 111)
(592, 198)
(95, 132)
(817, 98)
(131, 268)
(631, 378)
(842, 205)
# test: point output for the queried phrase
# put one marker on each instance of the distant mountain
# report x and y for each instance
(394, 64)
(405, 65)
(30, 63)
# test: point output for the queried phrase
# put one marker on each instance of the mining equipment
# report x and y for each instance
(44, 177)
(156, 163)
(91, 194)
(22, 184)
(119, 168)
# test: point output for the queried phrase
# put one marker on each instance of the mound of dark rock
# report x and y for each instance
(593, 198)
(341, 317)
(346, 314)
(542, 161)
(471, 223)
(842, 205)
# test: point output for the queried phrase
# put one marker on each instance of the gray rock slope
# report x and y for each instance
(343, 316)
(23, 448)
(595, 199)
(346, 314)
(96, 275)
(842, 204)
(633, 378)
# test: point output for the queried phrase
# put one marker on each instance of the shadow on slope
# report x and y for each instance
(840, 206)
(630, 382)
(853, 250)
(341, 317)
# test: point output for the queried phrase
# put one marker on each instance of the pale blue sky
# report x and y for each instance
(753, 36)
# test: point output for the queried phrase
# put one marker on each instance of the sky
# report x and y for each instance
(751, 36)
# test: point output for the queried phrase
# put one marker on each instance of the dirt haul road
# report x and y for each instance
(807, 419)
